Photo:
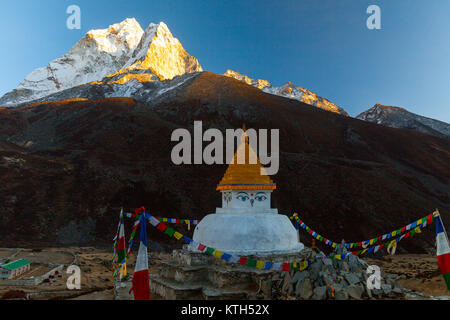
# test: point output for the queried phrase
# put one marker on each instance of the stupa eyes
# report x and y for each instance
(260, 197)
(243, 196)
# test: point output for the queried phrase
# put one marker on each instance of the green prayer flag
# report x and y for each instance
(251, 263)
(169, 231)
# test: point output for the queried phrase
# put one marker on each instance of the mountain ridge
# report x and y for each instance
(398, 117)
(85, 159)
(117, 54)
(289, 90)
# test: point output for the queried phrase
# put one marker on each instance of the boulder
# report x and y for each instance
(352, 278)
(320, 293)
(377, 292)
(299, 276)
(355, 291)
(316, 267)
(345, 266)
(304, 289)
(327, 262)
(353, 263)
(286, 282)
(387, 288)
(340, 294)
(369, 292)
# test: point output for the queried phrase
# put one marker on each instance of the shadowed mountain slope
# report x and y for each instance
(67, 167)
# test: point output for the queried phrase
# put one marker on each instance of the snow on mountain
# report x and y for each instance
(115, 55)
(289, 90)
(158, 57)
(397, 117)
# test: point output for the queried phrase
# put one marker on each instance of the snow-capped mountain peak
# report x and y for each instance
(119, 37)
(159, 56)
(117, 54)
(397, 117)
(289, 90)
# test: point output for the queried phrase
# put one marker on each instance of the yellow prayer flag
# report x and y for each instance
(260, 264)
(364, 251)
(338, 257)
(177, 235)
(303, 265)
(218, 254)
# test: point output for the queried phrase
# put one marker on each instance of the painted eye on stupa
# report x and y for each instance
(242, 196)
(260, 197)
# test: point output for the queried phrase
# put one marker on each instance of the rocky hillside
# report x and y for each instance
(66, 167)
(396, 117)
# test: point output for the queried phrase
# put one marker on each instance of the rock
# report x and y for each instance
(387, 288)
(377, 292)
(353, 263)
(316, 267)
(340, 294)
(286, 282)
(362, 263)
(397, 290)
(304, 289)
(266, 288)
(328, 262)
(345, 266)
(355, 291)
(299, 276)
(351, 278)
(320, 293)
(290, 290)
(327, 279)
(369, 292)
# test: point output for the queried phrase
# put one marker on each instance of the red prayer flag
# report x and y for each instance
(243, 260)
(286, 267)
(161, 226)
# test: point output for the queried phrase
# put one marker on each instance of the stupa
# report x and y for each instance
(246, 224)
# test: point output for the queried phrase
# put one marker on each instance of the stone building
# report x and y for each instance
(14, 269)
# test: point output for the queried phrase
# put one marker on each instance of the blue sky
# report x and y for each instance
(321, 45)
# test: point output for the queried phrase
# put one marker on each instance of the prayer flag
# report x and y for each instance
(141, 281)
(443, 251)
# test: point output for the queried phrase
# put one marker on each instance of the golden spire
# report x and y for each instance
(245, 176)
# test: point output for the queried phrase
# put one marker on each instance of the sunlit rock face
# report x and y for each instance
(158, 57)
(115, 55)
(259, 83)
(289, 90)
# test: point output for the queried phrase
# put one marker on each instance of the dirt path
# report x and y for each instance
(418, 272)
